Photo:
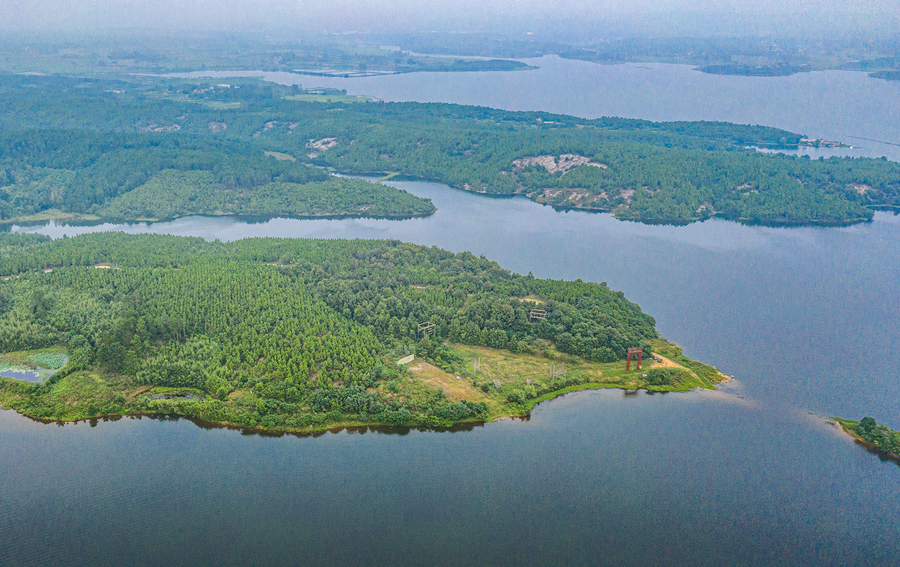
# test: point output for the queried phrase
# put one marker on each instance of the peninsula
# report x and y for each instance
(873, 436)
(307, 335)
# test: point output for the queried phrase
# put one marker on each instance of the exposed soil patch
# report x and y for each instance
(322, 145)
(139, 391)
(529, 300)
(154, 128)
(666, 363)
(565, 162)
(456, 390)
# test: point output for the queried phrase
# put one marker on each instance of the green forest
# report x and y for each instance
(302, 334)
(157, 148)
(126, 176)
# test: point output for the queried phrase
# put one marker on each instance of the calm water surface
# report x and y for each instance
(805, 318)
(831, 105)
(27, 375)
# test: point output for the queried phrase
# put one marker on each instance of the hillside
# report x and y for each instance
(305, 334)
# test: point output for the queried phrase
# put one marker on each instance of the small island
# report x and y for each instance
(307, 335)
(774, 70)
(877, 438)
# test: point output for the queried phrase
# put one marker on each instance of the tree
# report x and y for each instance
(867, 426)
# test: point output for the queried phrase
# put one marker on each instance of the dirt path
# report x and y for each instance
(139, 391)
(666, 363)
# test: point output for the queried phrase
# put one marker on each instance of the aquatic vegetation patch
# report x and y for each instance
(49, 360)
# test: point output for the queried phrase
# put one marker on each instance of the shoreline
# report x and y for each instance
(871, 447)
(76, 219)
(355, 425)
(507, 385)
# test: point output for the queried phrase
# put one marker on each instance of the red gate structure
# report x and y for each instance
(640, 354)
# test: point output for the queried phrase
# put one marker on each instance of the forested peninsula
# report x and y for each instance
(86, 175)
(306, 335)
(75, 146)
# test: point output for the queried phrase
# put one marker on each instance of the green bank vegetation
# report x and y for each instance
(872, 435)
(304, 335)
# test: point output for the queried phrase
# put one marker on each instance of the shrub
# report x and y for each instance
(665, 376)
(516, 397)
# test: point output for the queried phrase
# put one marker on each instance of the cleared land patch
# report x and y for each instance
(457, 389)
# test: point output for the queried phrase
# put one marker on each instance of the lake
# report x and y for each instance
(832, 105)
(807, 319)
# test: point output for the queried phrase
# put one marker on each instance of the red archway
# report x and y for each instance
(640, 354)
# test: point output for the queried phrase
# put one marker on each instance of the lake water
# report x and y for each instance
(807, 319)
(831, 105)
(21, 374)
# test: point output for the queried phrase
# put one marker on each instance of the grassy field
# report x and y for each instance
(502, 374)
(280, 156)
(509, 384)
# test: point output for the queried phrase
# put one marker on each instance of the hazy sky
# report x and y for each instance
(473, 15)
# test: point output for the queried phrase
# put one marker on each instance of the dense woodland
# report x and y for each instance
(123, 176)
(654, 172)
(300, 329)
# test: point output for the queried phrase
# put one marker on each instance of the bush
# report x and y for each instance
(516, 397)
(397, 417)
(665, 376)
